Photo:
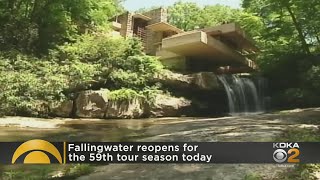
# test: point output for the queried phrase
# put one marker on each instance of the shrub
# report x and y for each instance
(31, 86)
(123, 94)
(149, 94)
(121, 62)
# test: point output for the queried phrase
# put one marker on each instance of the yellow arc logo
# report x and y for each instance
(36, 154)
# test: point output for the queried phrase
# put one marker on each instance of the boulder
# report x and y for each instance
(205, 81)
(95, 104)
(92, 104)
(168, 106)
(197, 81)
(64, 109)
(125, 109)
(172, 79)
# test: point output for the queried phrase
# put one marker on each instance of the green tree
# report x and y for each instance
(120, 62)
(189, 16)
(184, 15)
(38, 25)
(216, 15)
(293, 19)
(289, 41)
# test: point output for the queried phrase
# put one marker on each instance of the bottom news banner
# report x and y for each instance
(43, 152)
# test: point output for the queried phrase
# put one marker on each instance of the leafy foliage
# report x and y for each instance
(289, 42)
(121, 63)
(38, 25)
(184, 15)
(149, 94)
(124, 94)
(190, 16)
(31, 86)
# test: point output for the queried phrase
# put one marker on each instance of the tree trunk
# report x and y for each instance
(318, 39)
(305, 46)
(33, 12)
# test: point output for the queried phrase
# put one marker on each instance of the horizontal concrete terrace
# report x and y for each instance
(218, 44)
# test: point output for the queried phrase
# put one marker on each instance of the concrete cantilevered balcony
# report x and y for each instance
(200, 45)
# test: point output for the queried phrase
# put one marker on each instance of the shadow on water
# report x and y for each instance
(240, 128)
(91, 130)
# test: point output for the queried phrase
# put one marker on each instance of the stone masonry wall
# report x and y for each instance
(129, 25)
(157, 15)
(126, 25)
(153, 39)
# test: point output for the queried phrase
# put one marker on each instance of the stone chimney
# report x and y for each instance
(153, 38)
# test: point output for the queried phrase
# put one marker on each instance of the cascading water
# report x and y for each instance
(244, 96)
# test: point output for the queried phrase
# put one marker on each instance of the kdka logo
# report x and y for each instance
(286, 152)
(37, 152)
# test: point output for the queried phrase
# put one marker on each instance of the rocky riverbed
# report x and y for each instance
(259, 127)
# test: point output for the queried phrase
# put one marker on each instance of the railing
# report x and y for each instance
(142, 35)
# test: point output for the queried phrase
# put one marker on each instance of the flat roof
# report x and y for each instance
(141, 16)
(163, 26)
(233, 32)
(201, 46)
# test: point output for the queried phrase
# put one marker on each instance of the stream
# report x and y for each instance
(259, 128)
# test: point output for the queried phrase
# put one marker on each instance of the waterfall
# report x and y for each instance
(244, 95)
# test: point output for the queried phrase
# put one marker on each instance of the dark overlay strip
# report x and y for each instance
(44, 152)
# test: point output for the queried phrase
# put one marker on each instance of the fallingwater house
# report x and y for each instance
(221, 49)
(206, 62)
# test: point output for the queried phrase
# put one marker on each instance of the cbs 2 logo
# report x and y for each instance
(281, 155)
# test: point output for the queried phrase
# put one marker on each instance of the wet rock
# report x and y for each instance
(168, 106)
(204, 90)
(162, 106)
(64, 109)
(126, 109)
(198, 81)
(172, 79)
(95, 104)
(205, 81)
(92, 104)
